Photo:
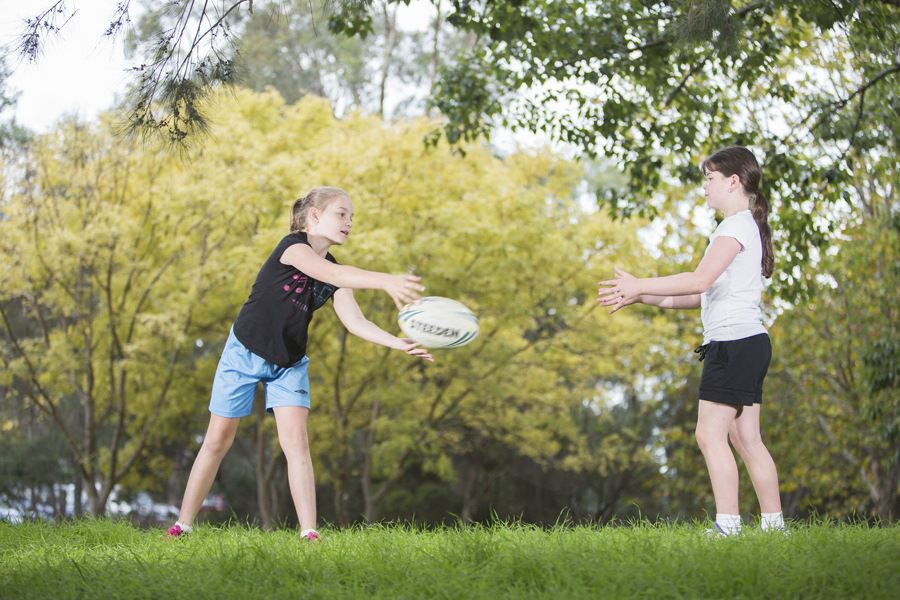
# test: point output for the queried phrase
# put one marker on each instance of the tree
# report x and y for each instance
(554, 407)
(33, 461)
(294, 52)
(492, 233)
(12, 135)
(107, 270)
(838, 376)
(125, 262)
(652, 85)
(656, 85)
(486, 230)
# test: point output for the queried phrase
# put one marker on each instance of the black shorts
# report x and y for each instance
(734, 370)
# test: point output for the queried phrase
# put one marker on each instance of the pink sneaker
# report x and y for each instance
(175, 531)
(310, 535)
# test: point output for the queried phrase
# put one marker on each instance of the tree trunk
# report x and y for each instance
(370, 507)
(53, 500)
(435, 48)
(78, 506)
(470, 494)
(96, 502)
(886, 503)
(390, 29)
(342, 461)
(369, 500)
(340, 509)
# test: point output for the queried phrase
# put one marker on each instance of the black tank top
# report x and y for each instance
(274, 321)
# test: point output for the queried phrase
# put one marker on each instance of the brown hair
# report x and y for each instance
(318, 197)
(739, 161)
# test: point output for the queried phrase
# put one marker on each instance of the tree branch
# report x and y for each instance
(40, 399)
(160, 399)
(30, 42)
(848, 456)
(831, 107)
(146, 294)
(699, 65)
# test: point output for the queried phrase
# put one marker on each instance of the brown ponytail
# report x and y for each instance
(739, 161)
(759, 206)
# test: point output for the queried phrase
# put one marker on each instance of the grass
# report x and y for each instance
(105, 559)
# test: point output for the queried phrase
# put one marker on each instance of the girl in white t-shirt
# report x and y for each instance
(727, 287)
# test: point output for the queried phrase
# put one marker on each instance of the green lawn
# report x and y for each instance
(104, 559)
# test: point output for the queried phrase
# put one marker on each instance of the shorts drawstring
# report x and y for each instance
(701, 351)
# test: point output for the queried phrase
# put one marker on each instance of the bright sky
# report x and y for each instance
(80, 73)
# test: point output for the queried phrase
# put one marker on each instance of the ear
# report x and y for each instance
(313, 215)
(735, 181)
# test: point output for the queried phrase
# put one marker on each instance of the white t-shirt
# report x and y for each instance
(730, 308)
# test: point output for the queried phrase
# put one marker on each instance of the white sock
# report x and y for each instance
(308, 531)
(184, 528)
(730, 524)
(772, 521)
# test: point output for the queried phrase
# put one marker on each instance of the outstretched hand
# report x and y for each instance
(412, 348)
(403, 289)
(619, 292)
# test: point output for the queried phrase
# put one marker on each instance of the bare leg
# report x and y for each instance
(714, 420)
(746, 439)
(291, 423)
(219, 437)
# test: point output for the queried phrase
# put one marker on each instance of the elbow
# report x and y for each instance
(332, 276)
(702, 283)
(352, 327)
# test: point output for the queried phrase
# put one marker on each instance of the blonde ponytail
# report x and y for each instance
(319, 198)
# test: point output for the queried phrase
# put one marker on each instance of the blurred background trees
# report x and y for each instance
(124, 263)
(650, 85)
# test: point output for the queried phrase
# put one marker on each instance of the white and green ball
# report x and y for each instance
(438, 322)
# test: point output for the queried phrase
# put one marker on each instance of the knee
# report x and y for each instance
(295, 446)
(707, 439)
(702, 437)
(218, 443)
(743, 440)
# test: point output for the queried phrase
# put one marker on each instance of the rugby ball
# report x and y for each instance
(438, 322)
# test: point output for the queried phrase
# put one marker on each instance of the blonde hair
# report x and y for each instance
(318, 197)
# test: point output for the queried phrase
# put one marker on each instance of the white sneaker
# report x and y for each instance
(716, 531)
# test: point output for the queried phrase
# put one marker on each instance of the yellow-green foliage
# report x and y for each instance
(835, 379)
(121, 258)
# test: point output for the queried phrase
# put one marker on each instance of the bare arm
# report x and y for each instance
(673, 291)
(720, 255)
(402, 288)
(349, 313)
(678, 302)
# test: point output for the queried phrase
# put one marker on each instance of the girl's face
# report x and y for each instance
(332, 222)
(717, 188)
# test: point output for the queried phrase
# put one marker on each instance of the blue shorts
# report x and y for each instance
(240, 370)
